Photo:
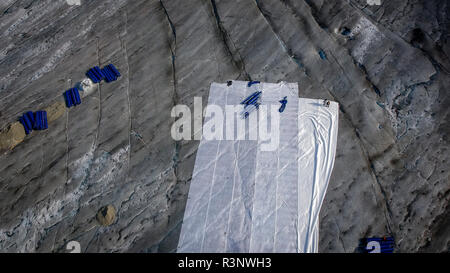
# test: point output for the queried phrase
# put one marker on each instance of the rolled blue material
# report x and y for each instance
(111, 75)
(105, 76)
(108, 77)
(108, 73)
(37, 122)
(92, 76)
(283, 105)
(248, 98)
(27, 122)
(96, 77)
(114, 70)
(37, 119)
(41, 125)
(253, 100)
(42, 120)
(77, 95)
(44, 113)
(68, 98)
(34, 121)
(95, 74)
(250, 83)
(30, 116)
(98, 72)
(27, 130)
(251, 97)
(96, 80)
(72, 97)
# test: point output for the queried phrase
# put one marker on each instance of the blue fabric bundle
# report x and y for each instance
(36, 121)
(40, 120)
(110, 72)
(250, 83)
(95, 74)
(27, 121)
(253, 100)
(114, 70)
(72, 97)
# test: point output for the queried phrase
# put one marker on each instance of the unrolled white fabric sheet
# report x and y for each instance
(246, 199)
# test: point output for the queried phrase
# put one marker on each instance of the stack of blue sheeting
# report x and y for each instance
(109, 73)
(27, 121)
(40, 120)
(72, 97)
(36, 121)
(95, 74)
